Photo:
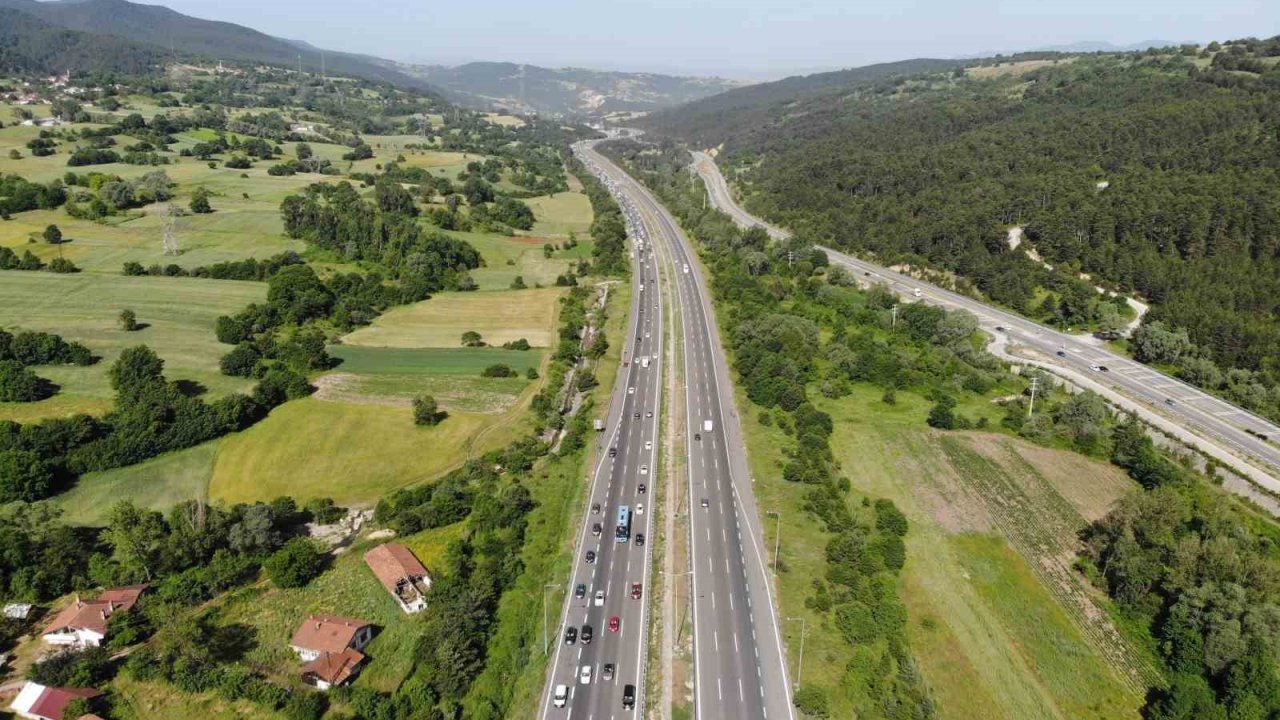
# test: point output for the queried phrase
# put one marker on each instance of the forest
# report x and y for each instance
(1149, 173)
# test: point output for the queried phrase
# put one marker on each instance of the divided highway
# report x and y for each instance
(739, 667)
(1236, 431)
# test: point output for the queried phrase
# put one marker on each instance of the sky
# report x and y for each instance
(748, 39)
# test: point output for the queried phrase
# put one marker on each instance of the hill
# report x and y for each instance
(162, 27)
(563, 91)
(1152, 172)
(29, 45)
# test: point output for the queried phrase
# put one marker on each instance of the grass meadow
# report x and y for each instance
(499, 316)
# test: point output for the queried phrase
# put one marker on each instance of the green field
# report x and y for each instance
(560, 214)
(158, 484)
(499, 316)
(507, 257)
(431, 361)
(999, 623)
(455, 393)
(179, 314)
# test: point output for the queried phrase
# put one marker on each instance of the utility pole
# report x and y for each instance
(804, 630)
(777, 539)
(1031, 406)
(544, 615)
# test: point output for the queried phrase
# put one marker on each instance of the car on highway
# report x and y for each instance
(640, 508)
(999, 328)
(629, 697)
(570, 635)
(599, 598)
(636, 415)
(916, 292)
(631, 390)
(639, 539)
(595, 509)
(706, 502)
(606, 673)
(596, 529)
(584, 675)
(697, 436)
(636, 591)
(649, 414)
(613, 452)
(580, 591)
(1062, 353)
(591, 557)
(644, 469)
(1169, 402)
(640, 489)
(648, 444)
(614, 624)
(585, 635)
(1096, 368)
(1104, 368)
(561, 696)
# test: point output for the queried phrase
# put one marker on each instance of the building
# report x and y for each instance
(402, 574)
(38, 702)
(332, 669)
(18, 611)
(320, 634)
(84, 624)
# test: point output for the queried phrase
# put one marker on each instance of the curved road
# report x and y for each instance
(1236, 436)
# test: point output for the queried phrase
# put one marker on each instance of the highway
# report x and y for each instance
(1231, 429)
(627, 460)
(740, 670)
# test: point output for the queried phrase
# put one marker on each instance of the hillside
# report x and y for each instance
(162, 27)
(563, 91)
(1155, 173)
(29, 45)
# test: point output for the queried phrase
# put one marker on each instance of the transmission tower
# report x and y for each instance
(170, 230)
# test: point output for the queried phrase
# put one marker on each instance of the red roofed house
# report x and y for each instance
(402, 574)
(331, 646)
(46, 703)
(83, 624)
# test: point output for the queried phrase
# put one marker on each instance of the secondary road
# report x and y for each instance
(602, 589)
(740, 670)
(1237, 431)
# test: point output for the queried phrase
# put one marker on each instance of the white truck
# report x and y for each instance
(599, 425)
(707, 425)
(644, 362)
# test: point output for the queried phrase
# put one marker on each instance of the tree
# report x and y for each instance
(137, 538)
(63, 266)
(1154, 342)
(471, 338)
(52, 234)
(296, 563)
(426, 411)
(19, 384)
(200, 201)
(137, 368)
(128, 320)
(302, 151)
(23, 476)
(942, 415)
(241, 361)
(518, 283)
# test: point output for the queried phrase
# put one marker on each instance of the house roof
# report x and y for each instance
(335, 668)
(326, 633)
(391, 562)
(93, 614)
(48, 702)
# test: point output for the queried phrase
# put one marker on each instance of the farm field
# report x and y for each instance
(999, 622)
(560, 214)
(179, 314)
(507, 257)
(499, 317)
(157, 484)
(431, 361)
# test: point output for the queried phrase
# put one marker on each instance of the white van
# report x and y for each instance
(561, 697)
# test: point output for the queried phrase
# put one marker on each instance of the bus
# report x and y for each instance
(623, 532)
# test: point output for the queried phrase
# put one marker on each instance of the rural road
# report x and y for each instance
(739, 667)
(1229, 433)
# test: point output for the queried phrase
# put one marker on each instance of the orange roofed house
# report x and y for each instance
(84, 623)
(331, 646)
(37, 702)
(402, 574)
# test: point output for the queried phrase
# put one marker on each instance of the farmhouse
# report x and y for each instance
(84, 624)
(331, 646)
(402, 574)
(47, 703)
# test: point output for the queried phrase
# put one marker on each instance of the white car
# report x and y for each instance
(631, 391)
(1096, 368)
(584, 675)
(640, 509)
(648, 444)
(644, 469)
(599, 598)
(561, 696)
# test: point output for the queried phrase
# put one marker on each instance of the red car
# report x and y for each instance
(614, 624)
(635, 591)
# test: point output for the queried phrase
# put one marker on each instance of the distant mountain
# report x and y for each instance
(1091, 46)
(30, 45)
(563, 91)
(165, 28)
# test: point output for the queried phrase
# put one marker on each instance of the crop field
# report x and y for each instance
(455, 393)
(499, 317)
(179, 314)
(431, 361)
(1000, 624)
(348, 589)
(158, 484)
(560, 214)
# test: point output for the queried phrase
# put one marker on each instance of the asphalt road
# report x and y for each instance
(632, 430)
(1231, 428)
(739, 666)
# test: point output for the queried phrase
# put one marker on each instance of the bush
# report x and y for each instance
(943, 415)
(498, 371)
(133, 269)
(241, 361)
(62, 266)
(812, 701)
(295, 564)
(426, 411)
(128, 320)
(18, 384)
(200, 202)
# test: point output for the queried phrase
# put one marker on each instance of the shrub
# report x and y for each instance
(498, 371)
(128, 320)
(426, 411)
(295, 564)
(62, 266)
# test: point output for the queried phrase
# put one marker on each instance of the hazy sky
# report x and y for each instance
(728, 37)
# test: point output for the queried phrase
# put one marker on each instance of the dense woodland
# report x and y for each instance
(1155, 173)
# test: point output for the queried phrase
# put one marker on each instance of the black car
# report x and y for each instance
(629, 697)
(1062, 353)
(637, 415)
(639, 539)
(580, 591)
(607, 673)
(570, 635)
(596, 529)
(640, 489)
(613, 452)
(697, 436)
(585, 636)
(591, 557)
(595, 509)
